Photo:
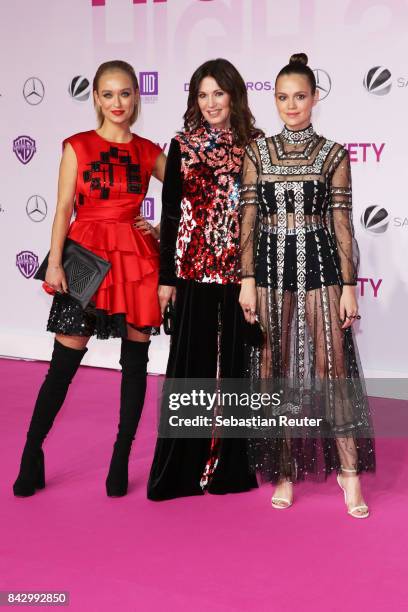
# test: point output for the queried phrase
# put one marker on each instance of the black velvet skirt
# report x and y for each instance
(209, 325)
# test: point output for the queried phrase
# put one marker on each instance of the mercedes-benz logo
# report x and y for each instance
(33, 91)
(323, 82)
(36, 208)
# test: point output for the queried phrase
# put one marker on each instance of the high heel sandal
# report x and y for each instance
(352, 511)
(281, 499)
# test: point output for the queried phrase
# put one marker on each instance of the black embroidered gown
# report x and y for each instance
(297, 240)
(199, 255)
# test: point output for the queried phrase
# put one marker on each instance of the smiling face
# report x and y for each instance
(116, 97)
(295, 100)
(214, 103)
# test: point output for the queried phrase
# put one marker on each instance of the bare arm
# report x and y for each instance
(140, 222)
(55, 276)
(158, 172)
(159, 167)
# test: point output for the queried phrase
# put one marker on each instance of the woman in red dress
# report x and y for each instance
(104, 175)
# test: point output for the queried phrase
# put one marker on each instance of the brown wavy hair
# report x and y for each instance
(113, 66)
(230, 81)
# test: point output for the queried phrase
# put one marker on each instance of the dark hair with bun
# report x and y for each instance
(298, 65)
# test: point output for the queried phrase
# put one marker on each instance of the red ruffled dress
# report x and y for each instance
(112, 182)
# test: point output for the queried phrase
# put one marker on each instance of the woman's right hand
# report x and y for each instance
(247, 299)
(166, 293)
(55, 278)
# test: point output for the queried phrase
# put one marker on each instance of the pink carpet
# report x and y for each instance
(218, 553)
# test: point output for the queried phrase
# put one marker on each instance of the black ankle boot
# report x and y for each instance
(133, 359)
(64, 363)
(118, 476)
(32, 473)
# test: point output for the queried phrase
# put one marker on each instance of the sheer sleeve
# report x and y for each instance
(249, 209)
(170, 216)
(342, 221)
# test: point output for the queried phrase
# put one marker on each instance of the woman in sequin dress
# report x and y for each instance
(299, 271)
(199, 260)
(105, 175)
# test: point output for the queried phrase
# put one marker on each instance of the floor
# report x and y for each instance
(218, 553)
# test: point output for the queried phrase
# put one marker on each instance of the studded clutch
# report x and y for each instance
(83, 269)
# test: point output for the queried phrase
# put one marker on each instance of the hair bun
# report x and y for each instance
(299, 58)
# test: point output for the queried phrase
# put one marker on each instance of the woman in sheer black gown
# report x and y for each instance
(299, 269)
(199, 261)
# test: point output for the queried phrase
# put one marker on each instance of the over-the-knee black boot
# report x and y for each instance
(64, 363)
(133, 359)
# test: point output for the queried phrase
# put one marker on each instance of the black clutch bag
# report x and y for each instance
(83, 269)
(168, 319)
(254, 334)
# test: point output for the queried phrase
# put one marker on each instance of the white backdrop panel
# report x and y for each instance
(56, 41)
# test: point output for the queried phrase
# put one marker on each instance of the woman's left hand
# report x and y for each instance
(146, 228)
(348, 306)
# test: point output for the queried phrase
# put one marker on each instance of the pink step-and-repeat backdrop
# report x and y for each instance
(50, 51)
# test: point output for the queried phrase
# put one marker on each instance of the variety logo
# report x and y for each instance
(33, 91)
(323, 82)
(378, 81)
(24, 148)
(149, 83)
(27, 263)
(148, 208)
(375, 219)
(79, 88)
(373, 284)
(362, 151)
(36, 208)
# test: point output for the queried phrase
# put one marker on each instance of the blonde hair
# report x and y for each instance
(113, 66)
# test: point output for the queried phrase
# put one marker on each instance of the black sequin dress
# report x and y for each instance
(199, 255)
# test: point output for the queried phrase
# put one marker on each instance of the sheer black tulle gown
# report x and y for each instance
(297, 241)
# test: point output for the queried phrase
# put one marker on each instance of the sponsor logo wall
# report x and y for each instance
(24, 148)
(27, 263)
(33, 91)
(362, 91)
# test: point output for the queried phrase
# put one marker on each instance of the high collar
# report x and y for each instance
(297, 136)
(214, 130)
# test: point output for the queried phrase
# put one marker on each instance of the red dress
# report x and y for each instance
(112, 182)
